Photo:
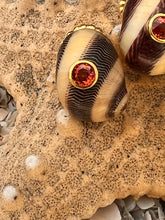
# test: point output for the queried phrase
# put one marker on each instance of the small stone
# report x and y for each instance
(9, 192)
(72, 2)
(50, 79)
(116, 30)
(145, 202)
(4, 97)
(147, 216)
(12, 106)
(126, 215)
(130, 203)
(158, 27)
(162, 203)
(62, 116)
(153, 215)
(110, 212)
(138, 215)
(32, 162)
(3, 123)
(11, 120)
(3, 114)
(40, 2)
(120, 203)
(161, 214)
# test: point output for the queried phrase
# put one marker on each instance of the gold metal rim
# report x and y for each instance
(81, 27)
(71, 69)
(122, 4)
(150, 28)
(91, 27)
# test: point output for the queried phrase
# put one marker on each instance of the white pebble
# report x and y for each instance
(3, 114)
(72, 2)
(62, 116)
(50, 79)
(110, 212)
(116, 30)
(3, 123)
(147, 216)
(9, 192)
(130, 203)
(145, 202)
(32, 162)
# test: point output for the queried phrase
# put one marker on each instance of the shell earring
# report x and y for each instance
(142, 38)
(89, 75)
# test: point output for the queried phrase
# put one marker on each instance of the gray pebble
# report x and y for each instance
(145, 202)
(147, 216)
(72, 2)
(153, 215)
(161, 214)
(110, 212)
(120, 203)
(40, 2)
(4, 97)
(126, 215)
(3, 114)
(138, 215)
(130, 203)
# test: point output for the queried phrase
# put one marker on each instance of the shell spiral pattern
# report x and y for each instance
(108, 95)
(142, 51)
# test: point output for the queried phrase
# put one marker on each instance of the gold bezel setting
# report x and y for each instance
(71, 70)
(150, 28)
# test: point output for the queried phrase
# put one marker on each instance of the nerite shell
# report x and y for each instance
(142, 52)
(108, 95)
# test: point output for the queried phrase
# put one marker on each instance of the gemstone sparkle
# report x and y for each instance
(83, 75)
(158, 27)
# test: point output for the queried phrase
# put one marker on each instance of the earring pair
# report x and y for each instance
(90, 77)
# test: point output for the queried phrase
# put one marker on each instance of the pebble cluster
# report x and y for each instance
(8, 114)
(129, 209)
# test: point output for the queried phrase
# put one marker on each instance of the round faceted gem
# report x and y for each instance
(158, 27)
(83, 75)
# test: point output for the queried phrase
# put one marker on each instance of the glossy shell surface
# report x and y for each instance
(108, 95)
(141, 51)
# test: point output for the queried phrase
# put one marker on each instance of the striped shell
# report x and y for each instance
(108, 95)
(140, 50)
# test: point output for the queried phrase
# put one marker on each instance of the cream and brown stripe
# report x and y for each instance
(93, 104)
(140, 50)
(61, 51)
(135, 24)
(75, 47)
(128, 12)
(111, 88)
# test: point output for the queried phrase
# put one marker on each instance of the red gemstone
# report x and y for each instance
(158, 27)
(83, 74)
